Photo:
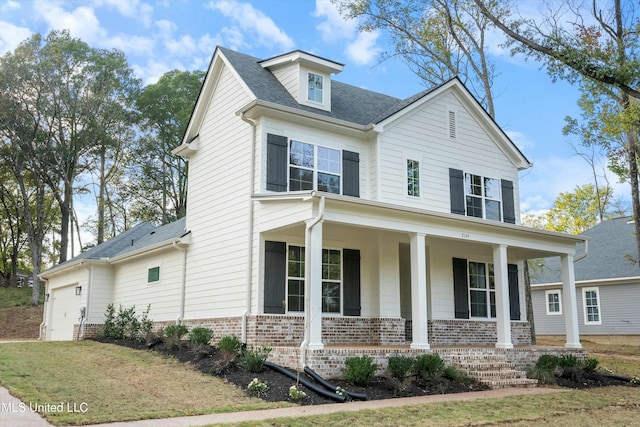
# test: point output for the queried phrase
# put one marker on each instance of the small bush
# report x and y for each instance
(230, 344)
(568, 361)
(456, 375)
(543, 375)
(428, 366)
(359, 370)
(400, 366)
(258, 386)
(125, 324)
(176, 331)
(254, 359)
(591, 364)
(548, 362)
(202, 336)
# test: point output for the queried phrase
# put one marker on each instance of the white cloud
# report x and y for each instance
(135, 9)
(251, 20)
(10, 5)
(184, 46)
(81, 22)
(11, 36)
(521, 140)
(363, 49)
(135, 45)
(334, 27)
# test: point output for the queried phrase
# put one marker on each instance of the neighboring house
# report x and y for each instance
(607, 288)
(324, 215)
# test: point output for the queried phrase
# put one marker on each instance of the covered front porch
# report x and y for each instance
(408, 298)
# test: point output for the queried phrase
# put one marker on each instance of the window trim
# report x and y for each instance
(546, 299)
(153, 282)
(409, 178)
(315, 90)
(598, 306)
(483, 196)
(315, 170)
(489, 269)
(340, 281)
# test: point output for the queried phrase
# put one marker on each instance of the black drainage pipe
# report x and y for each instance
(308, 384)
(326, 384)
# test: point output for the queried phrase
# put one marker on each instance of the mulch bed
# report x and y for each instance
(211, 361)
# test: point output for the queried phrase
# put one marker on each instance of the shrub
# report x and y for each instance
(254, 359)
(202, 336)
(258, 386)
(568, 361)
(428, 366)
(230, 344)
(400, 366)
(548, 362)
(543, 375)
(176, 331)
(296, 394)
(125, 324)
(456, 375)
(359, 370)
(591, 364)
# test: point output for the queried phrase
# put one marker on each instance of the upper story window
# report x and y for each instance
(413, 178)
(315, 88)
(482, 195)
(313, 167)
(153, 274)
(554, 302)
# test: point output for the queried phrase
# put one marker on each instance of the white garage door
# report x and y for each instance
(65, 313)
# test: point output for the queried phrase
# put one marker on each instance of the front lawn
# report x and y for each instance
(106, 383)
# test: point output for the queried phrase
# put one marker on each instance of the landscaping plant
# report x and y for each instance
(359, 370)
(230, 344)
(428, 366)
(254, 358)
(200, 335)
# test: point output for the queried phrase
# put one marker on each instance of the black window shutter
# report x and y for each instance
(277, 148)
(351, 277)
(456, 190)
(460, 292)
(514, 291)
(350, 173)
(508, 205)
(275, 276)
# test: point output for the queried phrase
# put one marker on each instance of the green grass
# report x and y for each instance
(611, 406)
(14, 297)
(113, 383)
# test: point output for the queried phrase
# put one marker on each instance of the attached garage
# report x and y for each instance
(65, 313)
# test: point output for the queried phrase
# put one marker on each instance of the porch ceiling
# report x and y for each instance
(522, 242)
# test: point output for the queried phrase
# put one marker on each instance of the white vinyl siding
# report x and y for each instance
(424, 134)
(218, 209)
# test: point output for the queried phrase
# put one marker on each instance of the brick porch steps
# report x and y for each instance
(491, 369)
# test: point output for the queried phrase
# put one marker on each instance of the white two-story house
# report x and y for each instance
(321, 215)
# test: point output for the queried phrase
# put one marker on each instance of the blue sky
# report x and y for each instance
(161, 35)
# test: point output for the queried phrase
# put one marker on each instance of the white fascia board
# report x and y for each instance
(178, 241)
(592, 282)
(62, 268)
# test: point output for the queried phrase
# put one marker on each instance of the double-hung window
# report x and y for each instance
(331, 279)
(482, 290)
(315, 88)
(413, 178)
(314, 167)
(591, 301)
(554, 302)
(483, 199)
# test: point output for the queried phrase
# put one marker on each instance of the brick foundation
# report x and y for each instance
(470, 332)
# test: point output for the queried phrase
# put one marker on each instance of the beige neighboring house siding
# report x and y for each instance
(218, 209)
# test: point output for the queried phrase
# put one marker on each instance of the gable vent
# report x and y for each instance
(452, 124)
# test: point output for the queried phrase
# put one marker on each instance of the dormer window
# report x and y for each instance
(315, 88)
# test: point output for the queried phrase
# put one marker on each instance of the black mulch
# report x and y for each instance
(211, 361)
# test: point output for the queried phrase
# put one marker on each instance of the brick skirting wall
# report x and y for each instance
(470, 332)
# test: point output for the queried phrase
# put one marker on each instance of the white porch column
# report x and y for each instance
(569, 303)
(313, 286)
(419, 292)
(503, 313)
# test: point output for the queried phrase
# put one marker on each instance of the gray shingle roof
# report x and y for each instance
(140, 236)
(349, 103)
(612, 244)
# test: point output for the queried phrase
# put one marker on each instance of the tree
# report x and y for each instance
(599, 48)
(438, 39)
(161, 178)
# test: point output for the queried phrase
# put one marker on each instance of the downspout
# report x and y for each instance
(183, 287)
(585, 253)
(84, 314)
(249, 278)
(307, 284)
(45, 311)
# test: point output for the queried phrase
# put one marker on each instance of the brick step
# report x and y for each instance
(488, 366)
(515, 383)
(506, 374)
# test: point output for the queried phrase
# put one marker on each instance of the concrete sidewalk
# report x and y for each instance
(28, 418)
